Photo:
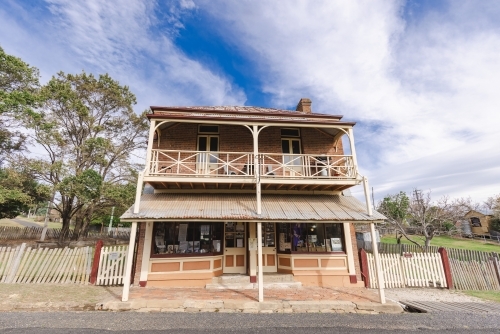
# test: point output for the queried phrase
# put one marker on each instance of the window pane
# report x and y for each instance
(335, 234)
(202, 143)
(284, 237)
(295, 146)
(209, 129)
(214, 144)
(290, 133)
(285, 146)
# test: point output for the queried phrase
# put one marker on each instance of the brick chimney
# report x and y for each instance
(304, 105)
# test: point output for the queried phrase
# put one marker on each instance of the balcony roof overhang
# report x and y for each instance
(243, 111)
(245, 116)
(243, 207)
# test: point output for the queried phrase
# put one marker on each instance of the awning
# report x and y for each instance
(237, 207)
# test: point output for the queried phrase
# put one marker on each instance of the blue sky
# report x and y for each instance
(421, 78)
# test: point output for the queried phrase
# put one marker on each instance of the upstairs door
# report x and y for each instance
(291, 156)
(207, 162)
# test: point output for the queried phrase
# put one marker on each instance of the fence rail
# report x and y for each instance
(409, 270)
(43, 265)
(15, 233)
(470, 270)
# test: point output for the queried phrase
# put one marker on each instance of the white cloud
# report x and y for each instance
(125, 41)
(425, 92)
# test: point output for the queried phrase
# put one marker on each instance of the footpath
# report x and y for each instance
(60, 297)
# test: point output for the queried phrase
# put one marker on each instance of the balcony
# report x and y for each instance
(174, 169)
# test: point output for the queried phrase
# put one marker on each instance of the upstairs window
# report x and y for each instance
(288, 132)
(208, 128)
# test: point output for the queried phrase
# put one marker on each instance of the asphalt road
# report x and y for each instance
(134, 322)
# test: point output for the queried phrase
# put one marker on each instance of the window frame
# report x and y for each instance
(153, 255)
(291, 251)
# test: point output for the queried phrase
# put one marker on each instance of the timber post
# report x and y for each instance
(364, 267)
(446, 267)
(95, 263)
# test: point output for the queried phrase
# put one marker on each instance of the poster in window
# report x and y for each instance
(336, 244)
(183, 246)
(183, 232)
(216, 244)
(239, 243)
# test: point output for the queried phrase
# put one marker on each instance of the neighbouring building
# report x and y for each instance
(479, 221)
(220, 179)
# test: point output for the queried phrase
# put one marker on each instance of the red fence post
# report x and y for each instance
(364, 267)
(446, 267)
(95, 263)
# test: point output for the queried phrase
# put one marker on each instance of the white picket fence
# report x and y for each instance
(43, 265)
(409, 269)
(112, 264)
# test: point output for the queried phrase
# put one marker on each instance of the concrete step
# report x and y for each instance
(245, 279)
(251, 286)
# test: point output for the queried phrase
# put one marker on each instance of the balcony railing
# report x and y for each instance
(241, 164)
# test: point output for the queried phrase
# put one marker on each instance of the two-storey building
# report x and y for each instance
(248, 190)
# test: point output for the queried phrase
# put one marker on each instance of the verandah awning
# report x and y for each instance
(236, 207)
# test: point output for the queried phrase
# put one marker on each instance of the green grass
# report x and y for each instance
(488, 295)
(449, 242)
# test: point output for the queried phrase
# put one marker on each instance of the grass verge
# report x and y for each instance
(450, 242)
(487, 295)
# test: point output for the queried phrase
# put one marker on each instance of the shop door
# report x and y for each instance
(269, 263)
(234, 248)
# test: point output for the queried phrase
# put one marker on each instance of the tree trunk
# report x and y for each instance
(85, 223)
(78, 227)
(64, 231)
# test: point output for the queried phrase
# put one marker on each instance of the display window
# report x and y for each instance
(186, 239)
(311, 237)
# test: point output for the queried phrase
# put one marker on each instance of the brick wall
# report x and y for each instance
(236, 138)
(140, 249)
(355, 252)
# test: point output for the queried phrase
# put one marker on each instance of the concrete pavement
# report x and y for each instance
(59, 297)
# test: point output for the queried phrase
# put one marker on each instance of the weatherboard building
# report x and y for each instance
(247, 191)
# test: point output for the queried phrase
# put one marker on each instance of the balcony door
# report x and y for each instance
(207, 162)
(292, 160)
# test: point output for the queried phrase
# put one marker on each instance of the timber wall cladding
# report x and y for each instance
(43, 265)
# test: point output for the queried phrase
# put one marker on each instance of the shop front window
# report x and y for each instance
(179, 239)
(311, 237)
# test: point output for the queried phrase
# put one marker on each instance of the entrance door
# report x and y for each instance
(269, 264)
(291, 156)
(234, 248)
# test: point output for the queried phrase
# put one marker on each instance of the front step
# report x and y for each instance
(242, 282)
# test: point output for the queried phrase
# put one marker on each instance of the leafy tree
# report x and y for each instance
(18, 95)
(397, 210)
(89, 130)
(18, 190)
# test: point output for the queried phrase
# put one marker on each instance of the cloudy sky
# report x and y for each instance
(420, 78)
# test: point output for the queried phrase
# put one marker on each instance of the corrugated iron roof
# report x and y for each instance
(244, 207)
(244, 109)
